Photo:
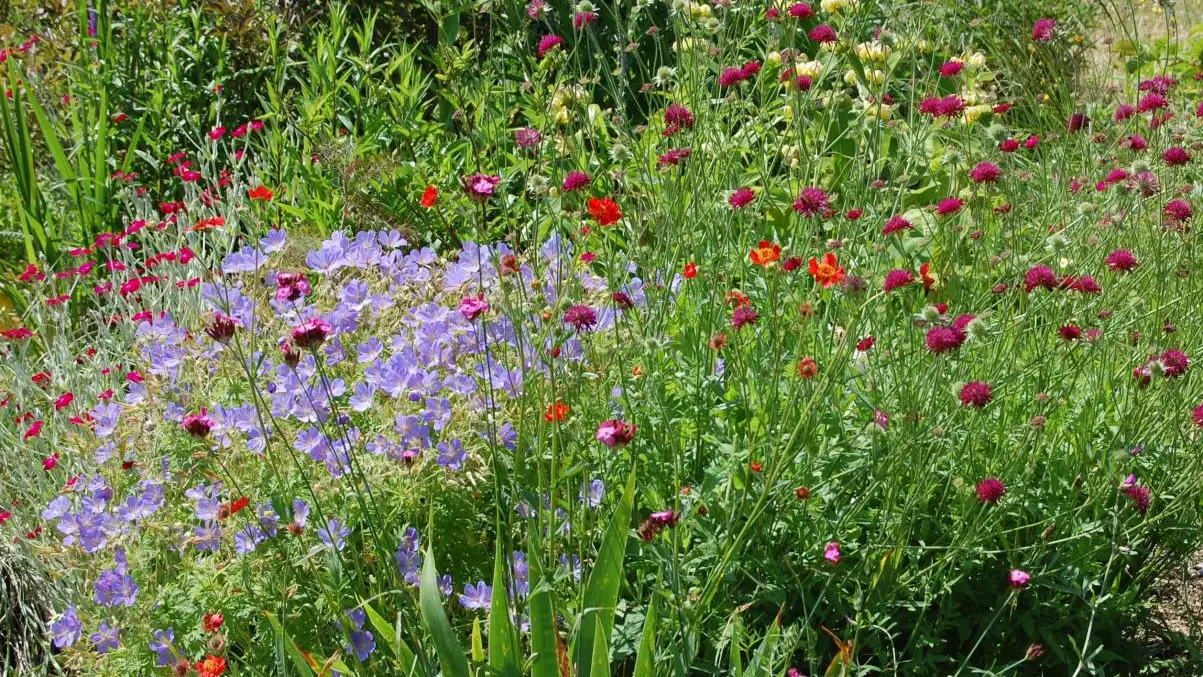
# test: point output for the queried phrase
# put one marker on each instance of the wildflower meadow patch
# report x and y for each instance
(639, 338)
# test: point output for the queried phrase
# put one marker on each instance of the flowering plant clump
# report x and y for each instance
(781, 339)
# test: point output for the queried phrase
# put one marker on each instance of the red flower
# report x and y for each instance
(604, 211)
(63, 401)
(691, 270)
(807, 368)
(211, 622)
(990, 490)
(212, 666)
(34, 430)
(556, 412)
(430, 197)
(261, 193)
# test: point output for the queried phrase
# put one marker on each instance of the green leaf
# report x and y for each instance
(451, 654)
(762, 660)
(601, 592)
(392, 639)
(503, 641)
(478, 643)
(290, 648)
(542, 621)
(645, 660)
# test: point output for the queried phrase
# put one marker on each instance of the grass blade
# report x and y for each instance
(451, 654)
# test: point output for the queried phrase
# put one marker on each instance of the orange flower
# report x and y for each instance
(430, 196)
(556, 412)
(212, 666)
(261, 193)
(209, 223)
(828, 272)
(738, 299)
(604, 211)
(807, 368)
(929, 280)
(765, 254)
(691, 270)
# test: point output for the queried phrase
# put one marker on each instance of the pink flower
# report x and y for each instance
(801, 10)
(742, 197)
(812, 202)
(976, 394)
(480, 186)
(216, 133)
(575, 181)
(310, 335)
(990, 490)
(33, 430)
(984, 172)
(198, 425)
(898, 278)
(1178, 210)
(949, 206)
(832, 552)
(1175, 156)
(822, 34)
(1040, 277)
(1019, 579)
(895, 224)
(951, 68)
(944, 339)
(615, 432)
(472, 307)
(546, 44)
(1042, 30)
(50, 462)
(63, 401)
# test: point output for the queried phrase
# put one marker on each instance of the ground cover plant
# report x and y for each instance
(651, 338)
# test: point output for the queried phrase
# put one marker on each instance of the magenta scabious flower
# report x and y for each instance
(1040, 277)
(943, 339)
(527, 137)
(615, 432)
(1174, 363)
(801, 10)
(743, 316)
(1178, 210)
(990, 490)
(676, 118)
(198, 425)
(812, 201)
(946, 107)
(673, 157)
(742, 197)
(984, 172)
(976, 394)
(822, 34)
(896, 224)
(580, 318)
(1175, 156)
(949, 206)
(546, 44)
(898, 278)
(951, 68)
(575, 181)
(311, 334)
(1042, 30)
(221, 328)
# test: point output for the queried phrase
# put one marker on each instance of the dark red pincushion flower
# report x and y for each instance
(990, 490)
(976, 394)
